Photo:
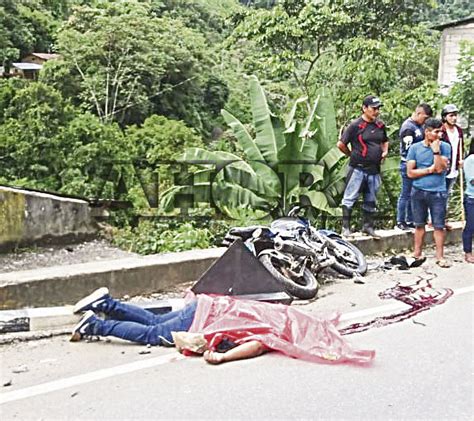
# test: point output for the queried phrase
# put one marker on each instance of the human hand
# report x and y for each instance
(213, 357)
(435, 145)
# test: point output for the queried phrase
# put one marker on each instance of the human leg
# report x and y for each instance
(468, 231)
(155, 334)
(420, 213)
(354, 181)
(369, 206)
(101, 301)
(437, 205)
(404, 214)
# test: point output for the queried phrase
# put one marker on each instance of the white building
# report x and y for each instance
(453, 34)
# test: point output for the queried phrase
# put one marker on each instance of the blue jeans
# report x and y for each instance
(136, 324)
(404, 213)
(423, 201)
(359, 181)
(468, 231)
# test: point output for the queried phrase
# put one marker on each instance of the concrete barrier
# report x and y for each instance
(28, 218)
(62, 285)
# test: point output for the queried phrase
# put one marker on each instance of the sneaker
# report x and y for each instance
(92, 301)
(411, 225)
(83, 327)
(403, 226)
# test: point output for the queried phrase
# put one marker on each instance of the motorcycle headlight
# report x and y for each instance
(257, 233)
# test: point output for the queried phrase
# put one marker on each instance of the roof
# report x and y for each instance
(453, 23)
(27, 66)
(45, 56)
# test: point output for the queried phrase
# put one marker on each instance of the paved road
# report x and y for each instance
(423, 369)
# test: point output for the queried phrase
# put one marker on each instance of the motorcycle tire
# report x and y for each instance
(350, 268)
(307, 289)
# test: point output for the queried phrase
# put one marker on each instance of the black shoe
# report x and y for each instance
(83, 327)
(411, 225)
(403, 226)
(92, 301)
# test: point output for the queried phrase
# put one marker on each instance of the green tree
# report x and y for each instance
(296, 37)
(27, 26)
(462, 92)
(47, 143)
(125, 63)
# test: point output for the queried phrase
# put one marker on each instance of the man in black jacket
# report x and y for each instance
(368, 142)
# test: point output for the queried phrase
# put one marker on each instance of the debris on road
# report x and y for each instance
(20, 369)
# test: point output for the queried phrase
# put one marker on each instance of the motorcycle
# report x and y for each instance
(294, 252)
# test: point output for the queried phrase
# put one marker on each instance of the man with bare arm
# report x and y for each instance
(427, 163)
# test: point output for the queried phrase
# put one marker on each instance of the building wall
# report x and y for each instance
(449, 56)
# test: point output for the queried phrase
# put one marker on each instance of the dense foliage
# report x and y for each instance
(140, 82)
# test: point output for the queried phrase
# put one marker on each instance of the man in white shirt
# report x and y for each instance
(453, 135)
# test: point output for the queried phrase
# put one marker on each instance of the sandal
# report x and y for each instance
(418, 261)
(443, 263)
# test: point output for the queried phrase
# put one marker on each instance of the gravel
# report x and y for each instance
(41, 257)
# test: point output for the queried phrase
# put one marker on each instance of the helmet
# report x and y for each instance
(450, 108)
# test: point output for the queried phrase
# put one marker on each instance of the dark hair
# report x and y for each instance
(471, 148)
(426, 108)
(433, 123)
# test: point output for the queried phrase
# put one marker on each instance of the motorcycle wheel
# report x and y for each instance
(304, 288)
(354, 265)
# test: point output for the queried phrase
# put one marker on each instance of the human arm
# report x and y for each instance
(348, 134)
(384, 150)
(343, 148)
(246, 350)
(414, 172)
(440, 159)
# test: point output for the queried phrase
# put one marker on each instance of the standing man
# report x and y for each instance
(369, 147)
(427, 163)
(453, 135)
(468, 231)
(411, 132)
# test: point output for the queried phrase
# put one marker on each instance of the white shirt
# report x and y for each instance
(453, 136)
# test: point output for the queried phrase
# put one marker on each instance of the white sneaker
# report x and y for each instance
(92, 300)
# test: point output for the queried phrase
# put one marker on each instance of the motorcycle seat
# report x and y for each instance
(242, 231)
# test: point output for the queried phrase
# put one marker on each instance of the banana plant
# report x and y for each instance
(285, 161)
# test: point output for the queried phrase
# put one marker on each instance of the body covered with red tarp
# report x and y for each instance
(279, 327)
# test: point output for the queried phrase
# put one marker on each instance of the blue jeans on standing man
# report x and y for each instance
(137, 324)
(404, 212)
(468, 231)
(360, 181)
(434, 202)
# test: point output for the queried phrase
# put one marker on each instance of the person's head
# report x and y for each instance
(371, 107)
(449, 114)
(421, 113)
(433, 129)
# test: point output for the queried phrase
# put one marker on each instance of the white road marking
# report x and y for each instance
(52, 386)
(41, 389)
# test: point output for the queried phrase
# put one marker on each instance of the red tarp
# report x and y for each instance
(279, 327)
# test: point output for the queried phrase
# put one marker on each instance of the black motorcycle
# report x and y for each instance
(294, 252)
